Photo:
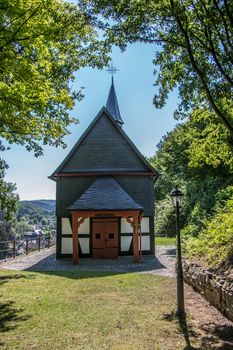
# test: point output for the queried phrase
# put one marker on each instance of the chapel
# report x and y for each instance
(105, 193)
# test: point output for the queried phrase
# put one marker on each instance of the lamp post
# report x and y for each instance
(177, 197)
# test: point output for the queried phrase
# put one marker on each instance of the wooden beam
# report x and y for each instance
(133, 217)
(135, 239)
(75, 238)
(104, 174)
(135, 222)
(76, 222)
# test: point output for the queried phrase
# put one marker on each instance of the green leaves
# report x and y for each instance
(42, 44)
(8, 197)
(214, 242)
(197, 155)
(210, 142)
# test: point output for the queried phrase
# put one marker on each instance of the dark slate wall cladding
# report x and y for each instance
(140, 188)
(69, 189)
(104, 149)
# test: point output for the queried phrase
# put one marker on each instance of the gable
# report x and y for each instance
(104, 147)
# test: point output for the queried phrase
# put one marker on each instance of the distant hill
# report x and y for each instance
(38, 206)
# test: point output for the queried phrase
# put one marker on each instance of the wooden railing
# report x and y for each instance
(13, 248)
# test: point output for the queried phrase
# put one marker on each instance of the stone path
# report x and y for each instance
(161, 264)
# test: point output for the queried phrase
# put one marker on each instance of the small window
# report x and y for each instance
(111, 235)
(97, 236)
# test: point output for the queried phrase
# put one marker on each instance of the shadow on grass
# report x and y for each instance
(80, 274)
(218, 337)
(7, 278)
(10, 314)
(185, 329)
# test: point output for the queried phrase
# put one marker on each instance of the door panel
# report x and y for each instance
(105, 238)
(98, 240)
(111, 253)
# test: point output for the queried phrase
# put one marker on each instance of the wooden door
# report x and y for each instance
(105, 238)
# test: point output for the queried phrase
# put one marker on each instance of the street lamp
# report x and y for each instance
(177, 198)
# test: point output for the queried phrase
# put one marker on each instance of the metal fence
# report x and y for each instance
(11, 249)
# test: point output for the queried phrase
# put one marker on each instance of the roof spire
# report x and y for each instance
(112, 104)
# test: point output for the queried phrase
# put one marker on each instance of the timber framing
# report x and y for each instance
(133, 217)
(105, 174)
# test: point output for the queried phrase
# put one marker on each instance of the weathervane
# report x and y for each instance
(112, 70)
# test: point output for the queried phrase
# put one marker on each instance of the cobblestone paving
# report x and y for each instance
(161, 264)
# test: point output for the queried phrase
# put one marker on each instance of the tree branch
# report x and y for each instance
(200, 73)
(226, 76)
(20, 27)
(14, 20)
(224, 23)
(228, 12)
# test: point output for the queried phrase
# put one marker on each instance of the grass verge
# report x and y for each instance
(159, 241)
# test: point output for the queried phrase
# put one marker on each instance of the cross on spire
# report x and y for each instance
(112, 70)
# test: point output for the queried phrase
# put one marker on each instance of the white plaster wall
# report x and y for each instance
(125, 243)
(84, 228)
(67, 246)
(145, 225)
(66, 227)
(85, 245)
(145, 243)
(125, 226)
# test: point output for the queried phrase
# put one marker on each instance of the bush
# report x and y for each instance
(215, 241)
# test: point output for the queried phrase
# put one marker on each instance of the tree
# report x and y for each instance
(8, 197)
(196, 47)
(8, 206)
(198, 156)
(43, 222)
(209, 143)
(22, 227)
(42, 44)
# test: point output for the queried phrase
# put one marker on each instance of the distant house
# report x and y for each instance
(105, 193)
(33, 234)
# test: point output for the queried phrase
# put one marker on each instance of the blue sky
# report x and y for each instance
(144, 124)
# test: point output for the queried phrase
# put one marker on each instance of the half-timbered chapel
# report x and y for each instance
(105, 193)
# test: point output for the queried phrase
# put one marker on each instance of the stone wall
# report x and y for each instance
(216, 289)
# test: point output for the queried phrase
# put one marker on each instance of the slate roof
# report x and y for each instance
(87, 131)
(112, 105)
(105, 194)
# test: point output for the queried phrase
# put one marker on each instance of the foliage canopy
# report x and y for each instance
(42, 44)
(198, 156)
(215, 241)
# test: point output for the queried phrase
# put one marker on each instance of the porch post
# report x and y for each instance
(75, 238)
(135, 239)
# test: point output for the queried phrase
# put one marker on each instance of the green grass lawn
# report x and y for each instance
(99, 311)
(165, 241)
(82, 311)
